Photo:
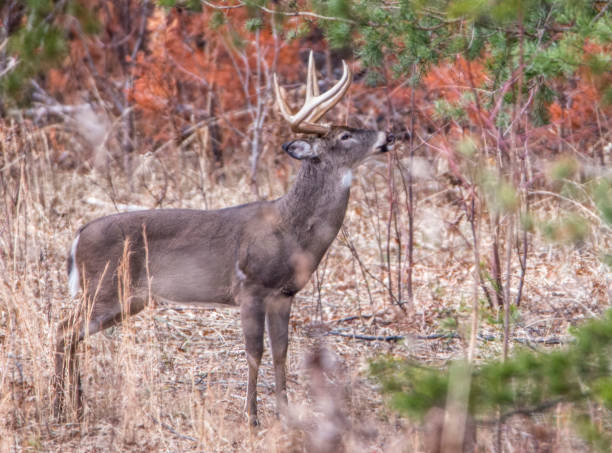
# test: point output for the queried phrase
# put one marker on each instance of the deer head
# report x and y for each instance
(344, 146)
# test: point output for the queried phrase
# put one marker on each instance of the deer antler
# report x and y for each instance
(315, 105)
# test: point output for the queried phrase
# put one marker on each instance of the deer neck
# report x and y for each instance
(315, 206)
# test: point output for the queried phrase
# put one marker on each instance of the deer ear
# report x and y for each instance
(300, 149)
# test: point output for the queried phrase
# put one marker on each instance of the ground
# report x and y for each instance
(174, 378)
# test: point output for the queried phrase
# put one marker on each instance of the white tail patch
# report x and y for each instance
(73, 277)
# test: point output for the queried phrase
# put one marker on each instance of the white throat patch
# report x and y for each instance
(347, 179)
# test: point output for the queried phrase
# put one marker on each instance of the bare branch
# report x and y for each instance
(442, 336)
(282, 13)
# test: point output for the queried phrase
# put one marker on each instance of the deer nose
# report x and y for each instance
(286, 146)
(388, 144)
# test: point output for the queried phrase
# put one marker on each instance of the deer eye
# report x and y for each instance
(345, 136)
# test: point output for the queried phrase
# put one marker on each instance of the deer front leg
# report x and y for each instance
(252, 315)
(278, 312)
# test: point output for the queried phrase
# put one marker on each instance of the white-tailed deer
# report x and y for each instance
(255, 256)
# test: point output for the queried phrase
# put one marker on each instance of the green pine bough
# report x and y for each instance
(527, 383)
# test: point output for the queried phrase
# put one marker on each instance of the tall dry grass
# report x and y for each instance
(174, 378)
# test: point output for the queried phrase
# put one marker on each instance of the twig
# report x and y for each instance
(354, 317)
(118, 206)
(56, 109)
(575, 203)
(364, 270)
(348, 243)
(522, 411)
(223, 7)
(10, 65)
(367, 337)
(440, 336)
(283, 13)
(600, 13)
(172, 430)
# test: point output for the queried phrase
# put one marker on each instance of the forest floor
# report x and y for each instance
(173, 378)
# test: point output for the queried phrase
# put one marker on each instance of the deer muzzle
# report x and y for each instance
(387, 144)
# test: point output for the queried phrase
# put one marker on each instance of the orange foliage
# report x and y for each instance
(186, 72)
(187, 58)
(451, 80)
(575, 112)
(580, 107)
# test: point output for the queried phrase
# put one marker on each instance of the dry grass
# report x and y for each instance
(174, 378)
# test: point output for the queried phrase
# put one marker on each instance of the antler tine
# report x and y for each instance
(315, 105)
(312, 86)
(296, 124)
(281, 102)
(324, 107)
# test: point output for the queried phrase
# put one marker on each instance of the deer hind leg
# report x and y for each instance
(278, 312)
(66, 365)
(252, 315)
(70, 332)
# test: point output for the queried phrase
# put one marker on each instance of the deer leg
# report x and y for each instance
(74, 383)
(66, 363)
(278, 312)
(252, 315)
